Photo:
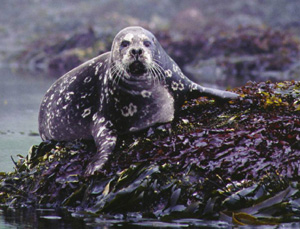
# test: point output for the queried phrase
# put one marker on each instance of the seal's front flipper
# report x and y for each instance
(105, 139)
(196, 91)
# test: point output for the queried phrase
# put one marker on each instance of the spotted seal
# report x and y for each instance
(135, 86)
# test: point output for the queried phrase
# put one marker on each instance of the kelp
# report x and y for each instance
(235, 161)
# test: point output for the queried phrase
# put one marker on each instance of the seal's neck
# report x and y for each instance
(134, 86)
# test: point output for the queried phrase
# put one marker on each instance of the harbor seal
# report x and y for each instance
(134, 86)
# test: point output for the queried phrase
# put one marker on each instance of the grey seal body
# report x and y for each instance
(135, 86)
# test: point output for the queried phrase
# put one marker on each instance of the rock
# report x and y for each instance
(57, 56)
(250, 54)
(188, 21)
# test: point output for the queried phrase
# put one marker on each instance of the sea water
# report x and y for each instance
(20, 98)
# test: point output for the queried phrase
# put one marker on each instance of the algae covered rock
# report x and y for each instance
(231, 161)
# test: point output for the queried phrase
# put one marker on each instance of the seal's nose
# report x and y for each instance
(136, 52)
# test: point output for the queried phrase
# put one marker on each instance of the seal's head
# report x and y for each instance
(135, 54)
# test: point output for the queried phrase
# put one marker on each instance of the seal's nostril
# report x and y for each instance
(133, 51)
(136, 52)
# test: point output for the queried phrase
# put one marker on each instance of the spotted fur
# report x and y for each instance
(135, 86)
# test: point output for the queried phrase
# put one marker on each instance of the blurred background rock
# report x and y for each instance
(216, 42)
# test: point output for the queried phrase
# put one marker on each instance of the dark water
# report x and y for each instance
(20, 97)
(49, 218)
(45, 218)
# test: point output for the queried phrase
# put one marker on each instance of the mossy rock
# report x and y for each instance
(236, 161)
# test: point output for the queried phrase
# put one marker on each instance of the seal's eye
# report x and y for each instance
(147, 43)
(125, 44)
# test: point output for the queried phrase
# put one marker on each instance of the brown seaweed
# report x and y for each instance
(237, 161)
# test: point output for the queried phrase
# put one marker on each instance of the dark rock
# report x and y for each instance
(57, 56)
(248, 54)
(63, 63)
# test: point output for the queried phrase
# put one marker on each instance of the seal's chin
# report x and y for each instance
(137, 68)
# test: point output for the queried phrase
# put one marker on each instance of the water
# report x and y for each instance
(47, 218)
(20, 97)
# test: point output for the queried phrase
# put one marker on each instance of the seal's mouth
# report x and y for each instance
(137, 68)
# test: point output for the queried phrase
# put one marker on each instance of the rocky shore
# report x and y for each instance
(235, 162)
(213, 43)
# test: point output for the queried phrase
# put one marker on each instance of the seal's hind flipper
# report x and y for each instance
(219, 94)
(197, 90)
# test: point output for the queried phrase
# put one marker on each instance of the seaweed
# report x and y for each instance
(235, 161)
